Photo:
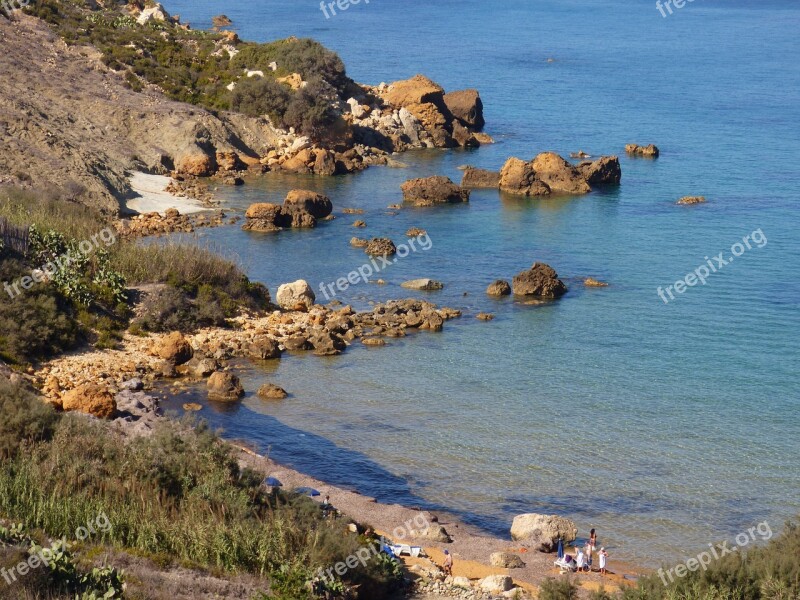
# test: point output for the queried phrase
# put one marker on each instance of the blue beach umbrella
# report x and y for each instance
(272, 482)
(560, 548)
(307, 491)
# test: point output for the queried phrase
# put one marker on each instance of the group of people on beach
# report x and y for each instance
(584, 556)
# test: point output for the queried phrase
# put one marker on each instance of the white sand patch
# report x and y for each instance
(151, 197)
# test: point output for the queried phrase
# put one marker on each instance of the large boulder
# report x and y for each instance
(506, 560)
(327, 344)
(380, 247)
(603, 171)
(264, 348)
(480, 178)
(174, 348)
(296, 296)
(193, 160)
(317, 204)
(434, 533)
(466, 106)
(155, 13)
(427, 191)
(541, 281)
(519, 177)
(224, 386)
(558, 174)
(543, 531)
(499, 287)
(91, 399)
(417, 90)
(230, 161)
(496, 584)
(263, 216)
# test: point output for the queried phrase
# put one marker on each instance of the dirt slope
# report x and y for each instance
(67, 120)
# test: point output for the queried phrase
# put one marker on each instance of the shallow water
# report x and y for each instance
(666, 426)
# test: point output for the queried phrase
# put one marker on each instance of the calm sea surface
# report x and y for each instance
(665, 426)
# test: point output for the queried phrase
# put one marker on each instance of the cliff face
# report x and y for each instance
(68, 121)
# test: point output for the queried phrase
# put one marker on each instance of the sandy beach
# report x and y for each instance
(470, 547)
(151, 196)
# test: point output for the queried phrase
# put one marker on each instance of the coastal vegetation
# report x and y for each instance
(90, 299)
(177, 497)
(198, 67)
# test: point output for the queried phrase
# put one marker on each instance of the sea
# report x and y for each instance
(666, 423)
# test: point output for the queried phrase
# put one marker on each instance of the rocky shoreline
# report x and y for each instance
(116, 386)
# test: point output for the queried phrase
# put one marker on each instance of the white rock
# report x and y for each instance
(255, 73)
(157, 13)
(295, 296)
(300, 143)
(496, 584)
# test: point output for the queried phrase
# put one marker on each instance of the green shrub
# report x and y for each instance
(305, 56)
(310, 111)
(558, 589)
(26, 419)
(257, 96)
(36, 324)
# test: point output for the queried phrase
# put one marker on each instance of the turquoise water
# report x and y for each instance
(665, 426)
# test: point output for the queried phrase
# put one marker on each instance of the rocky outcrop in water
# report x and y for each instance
(603, 171)
(688, 200)
(300, 209)
(540, 281)
(649, 151)
(548, 173)
(428, 191)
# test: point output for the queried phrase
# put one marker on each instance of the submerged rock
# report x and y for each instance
(692, 200)
(270, 391)
(423, 284)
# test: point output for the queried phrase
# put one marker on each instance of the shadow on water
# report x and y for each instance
(318, 457)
